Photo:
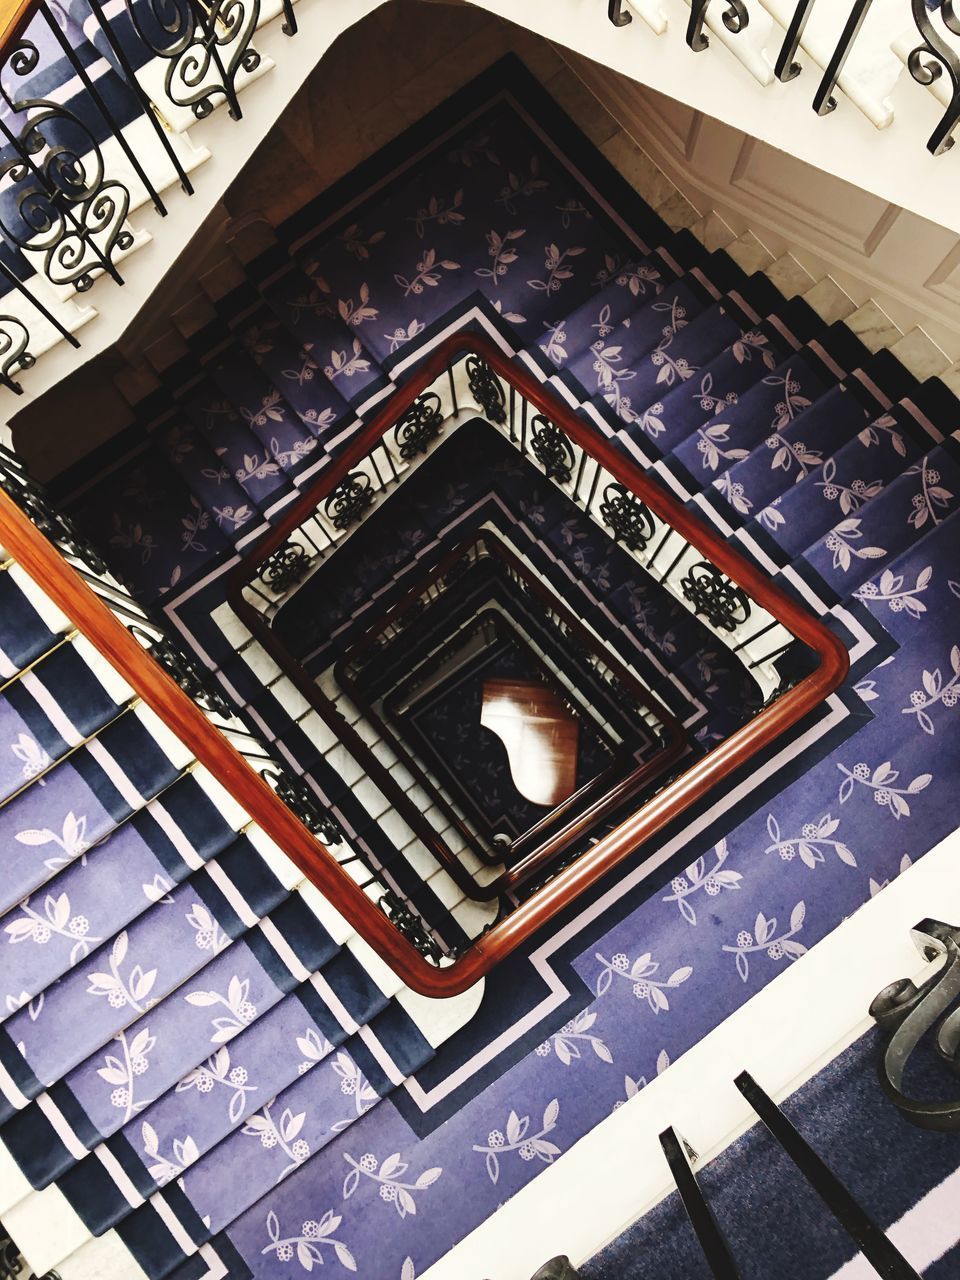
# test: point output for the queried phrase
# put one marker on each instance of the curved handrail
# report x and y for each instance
(41, 560)
(91, 616)
(832, 666)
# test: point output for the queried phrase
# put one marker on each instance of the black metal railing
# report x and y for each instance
(906, 1013)
(162, 645)
(934, 57)
(72, 82)
(746, 630)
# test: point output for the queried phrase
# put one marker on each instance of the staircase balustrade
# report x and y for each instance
(72, 83)
(71, 172)
(467, 377)
(932, 61)
(147, 655)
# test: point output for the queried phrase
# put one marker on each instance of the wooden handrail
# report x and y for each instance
(14, 17)
(832, 665)
(65, 587)
(90, 615)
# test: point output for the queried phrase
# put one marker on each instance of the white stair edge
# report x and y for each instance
(651, 12)
(868, 87)
(783, 1035)
(749, 45)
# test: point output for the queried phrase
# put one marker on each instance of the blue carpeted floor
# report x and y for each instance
(829, 465)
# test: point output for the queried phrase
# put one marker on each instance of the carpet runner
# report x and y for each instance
(828, 466)
(771, 1217)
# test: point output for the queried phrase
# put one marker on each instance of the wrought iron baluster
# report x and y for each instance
(14, 353)
(115, 128)
(552, 449)
(71, 203)
(33, 501)
(287, 566)
(148, 108)
(714, 596)
(929, 60)
(873, 1243)
(209, 20)
(187, 674)
(617, 15)
(289, 24)
(735, 18)
(824, 100)
(712, 1241)
(907, 1012)
(630, 519)
(198, 33)
(298, 797)
(419, 426)
(410, 926)
(787, 67)
(27, 360)
(486, 389)
(349, 500)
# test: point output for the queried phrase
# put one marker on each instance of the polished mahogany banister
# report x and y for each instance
(832, 661)
(66, 588)
(803, 624)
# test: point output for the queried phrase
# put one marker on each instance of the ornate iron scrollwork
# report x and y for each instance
(208, 45)
(735, 17)
(631, 520)
(419, 426)
(349, 500)
(32, 500)
(552, 449)
(410, 926)
(187, 674)
(14, 339)
(66, 209)
(929, 60)
(487, 389)
(715, 597)
(287, 566)
(907, 1012)
(304, 805)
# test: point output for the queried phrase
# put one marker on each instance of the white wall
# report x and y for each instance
(892, 164)
(874, 248)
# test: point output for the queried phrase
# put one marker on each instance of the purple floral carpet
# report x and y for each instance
(173, 1002)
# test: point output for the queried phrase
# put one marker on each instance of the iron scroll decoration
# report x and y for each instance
(287, 566)
(409, 926)
(183, 670)
(487, 389)
(419, 426)
(14, 340)
(300, 800)
(66, 209)
(630, 520)
(735, 18)
(349, 500)
(52, 523)
(907, 1012)
(206, 47)
(715, 597)
(930, 59)
(552, 449)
